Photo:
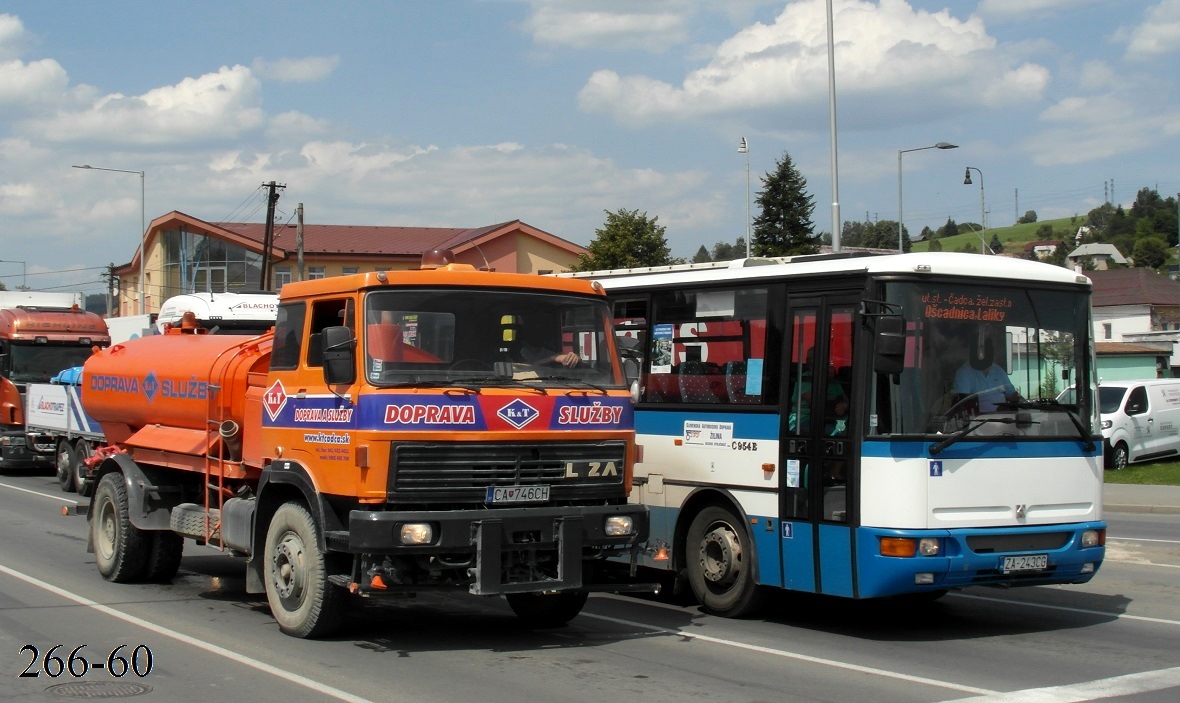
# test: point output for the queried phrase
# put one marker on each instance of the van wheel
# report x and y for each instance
(120, 548)
(720, 560)
(1118, 457)
(79, 471)
(65, 466)
(302, 600)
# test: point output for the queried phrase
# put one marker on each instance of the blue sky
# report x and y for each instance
(467, 113)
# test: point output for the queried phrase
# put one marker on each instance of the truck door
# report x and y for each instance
(819, 464)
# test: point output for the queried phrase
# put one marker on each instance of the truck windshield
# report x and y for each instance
(487, 337)
(993, 359)
(37, 363)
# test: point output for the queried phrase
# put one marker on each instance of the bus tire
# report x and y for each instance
(79, 471)
(543, 610)
(302, 600)
(64, 461)
(720, 564)
(164, 556)
(120, 548)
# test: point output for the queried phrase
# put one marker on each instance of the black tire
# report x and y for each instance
(1119, 457)
(82, 452)
(164, 556)
(302, 600)
(547, 609)
(64, 460)
(720, 564)
(120, 548)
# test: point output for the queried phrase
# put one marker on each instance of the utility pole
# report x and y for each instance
(299, 239)
(269, 237)
(110, 276)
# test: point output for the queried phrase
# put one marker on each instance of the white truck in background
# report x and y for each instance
(41, 299)
(54, 413)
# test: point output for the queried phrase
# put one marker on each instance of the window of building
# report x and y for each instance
(282, 276)
(315, 273)
(349, 270)
(1106, 330)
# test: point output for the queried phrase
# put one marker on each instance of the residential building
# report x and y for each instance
(1138, 308)
(185, 254)
(1101, 255)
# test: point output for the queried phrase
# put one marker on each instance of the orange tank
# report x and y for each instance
(178, 380)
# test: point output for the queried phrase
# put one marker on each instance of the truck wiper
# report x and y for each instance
(1054, 406)
(971, 427)
(569, 382)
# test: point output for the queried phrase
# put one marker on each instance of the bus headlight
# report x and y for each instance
(417, 533)
(928, 547)
(1093, 538)
(619, 526)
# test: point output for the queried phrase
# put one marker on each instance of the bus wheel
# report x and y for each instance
(78, 471)
(547, 609)
(1118, 457)
(65, 466)
(720, 564)
(120, 548)
(302, 600)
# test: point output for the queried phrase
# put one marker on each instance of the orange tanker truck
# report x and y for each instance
(396, 432)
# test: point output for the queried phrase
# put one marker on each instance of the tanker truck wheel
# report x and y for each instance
(301, 599)
(82, 452)
(120, 549)
(163, 556)
(65, 466)
(547, 609)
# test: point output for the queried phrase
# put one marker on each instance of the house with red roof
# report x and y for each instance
(184, 254)
(1136, 323)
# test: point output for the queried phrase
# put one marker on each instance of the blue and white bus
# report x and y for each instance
(931, 455)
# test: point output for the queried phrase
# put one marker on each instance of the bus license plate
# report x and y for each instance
(1028, 562)
(517, 494)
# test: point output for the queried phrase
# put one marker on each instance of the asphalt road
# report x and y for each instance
(1116, 638)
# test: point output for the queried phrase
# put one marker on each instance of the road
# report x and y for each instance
(1116, 638)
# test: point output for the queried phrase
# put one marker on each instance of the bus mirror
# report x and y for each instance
(339, 354)
(890, 345)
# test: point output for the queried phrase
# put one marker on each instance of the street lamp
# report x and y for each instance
(983, 249)
(24, 283)
(900, 235)
(142, 230)
(743, 148)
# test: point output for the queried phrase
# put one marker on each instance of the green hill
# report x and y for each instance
(1013, 238)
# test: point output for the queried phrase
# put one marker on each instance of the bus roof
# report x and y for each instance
(924, 263)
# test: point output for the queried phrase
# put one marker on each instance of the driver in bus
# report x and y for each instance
(984, 379)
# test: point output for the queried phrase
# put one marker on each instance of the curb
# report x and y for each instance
(1132, 508)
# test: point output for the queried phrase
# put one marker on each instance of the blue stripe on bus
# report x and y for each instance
(671, 423)
(979, 450)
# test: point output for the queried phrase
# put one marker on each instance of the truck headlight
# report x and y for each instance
(417, 533)
(619, 526)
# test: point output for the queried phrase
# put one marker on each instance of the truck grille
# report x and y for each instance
(462, 472)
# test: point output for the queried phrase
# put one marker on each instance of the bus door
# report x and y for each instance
(818, 461)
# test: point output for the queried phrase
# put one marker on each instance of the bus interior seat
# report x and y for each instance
(660, 388)
(735, 383)
(700, 382)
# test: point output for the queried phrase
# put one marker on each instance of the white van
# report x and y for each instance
(1140, 420)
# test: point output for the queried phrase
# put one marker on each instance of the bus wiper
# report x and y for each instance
(1054, 406)
(971, 427)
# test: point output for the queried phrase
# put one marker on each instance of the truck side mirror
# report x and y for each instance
(338, 347)
(889, 338)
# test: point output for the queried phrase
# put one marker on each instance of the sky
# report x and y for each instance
(465, 113)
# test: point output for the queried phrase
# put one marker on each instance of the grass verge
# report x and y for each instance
(1154, 473)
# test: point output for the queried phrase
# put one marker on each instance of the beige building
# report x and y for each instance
(185, 254)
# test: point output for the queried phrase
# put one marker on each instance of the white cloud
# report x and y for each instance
(922, 61)
(12, 37)
(1023, 10)
(618, 24)
(25, 85)
(1159, 33)
(305, 70)
(1089, 129)
(213, 106)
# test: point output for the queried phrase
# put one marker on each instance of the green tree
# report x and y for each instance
(784, 226)
(724, 251)
(928, 234)
(1044, 232)
(950, 229)
(627, 239)
(1028, 217)
(995, 244)
(935, 245)
(1149, 252)
(701, 256)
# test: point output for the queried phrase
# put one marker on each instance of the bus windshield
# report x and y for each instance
(488, 337)
(987, 361)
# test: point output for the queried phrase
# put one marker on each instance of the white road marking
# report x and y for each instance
(794, 655)
(233, 656)
(59, 498)
(1128, 685)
